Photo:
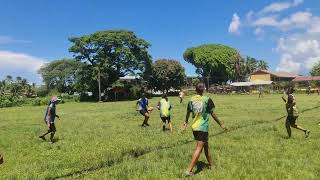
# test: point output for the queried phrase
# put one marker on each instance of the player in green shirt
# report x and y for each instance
(293, 113)
(164, 106)
(201, 108)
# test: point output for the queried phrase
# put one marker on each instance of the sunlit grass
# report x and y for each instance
(105, 141)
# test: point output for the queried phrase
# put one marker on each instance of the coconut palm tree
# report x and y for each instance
(262, 65)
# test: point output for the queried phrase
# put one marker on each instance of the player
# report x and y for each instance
(201, 108)
(50, 118)
(164, 106)
(293, 113)
(143, 108)
(181, 95)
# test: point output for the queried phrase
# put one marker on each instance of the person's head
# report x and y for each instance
(164, 96)
(200, 87)
(290, 90)
(55, 100)
(143, 95)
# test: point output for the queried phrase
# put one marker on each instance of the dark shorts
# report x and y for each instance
(291, 119)
(52, 128)
(166, 119)
(143, 112)
(200, 136)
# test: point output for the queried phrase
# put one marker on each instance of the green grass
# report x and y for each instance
(104, 141)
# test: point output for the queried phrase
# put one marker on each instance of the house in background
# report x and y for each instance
(275, 76)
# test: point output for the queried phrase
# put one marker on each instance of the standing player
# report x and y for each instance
(293, 113)
(181, 95)
(143, 108)
(165, 106)
(50, 118)
(201, 108)
(260, 91)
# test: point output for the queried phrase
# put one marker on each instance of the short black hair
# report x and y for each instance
(200, 87)
(164, 95)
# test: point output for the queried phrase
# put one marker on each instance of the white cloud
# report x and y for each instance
(10, 40)
(20, 64)
(280, 6)
(298, 53)
(298, 20)
(235, 24)
(276, 7)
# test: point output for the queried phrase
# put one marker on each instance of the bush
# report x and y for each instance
(42, 91)
(10, 101)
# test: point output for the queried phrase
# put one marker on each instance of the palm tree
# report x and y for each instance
(262, 65)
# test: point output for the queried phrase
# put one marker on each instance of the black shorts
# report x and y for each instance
(200, 136)
(143, 112)
(52, 128)
(166, 119)
(291, 119)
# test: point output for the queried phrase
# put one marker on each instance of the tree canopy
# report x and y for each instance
(60, 75)
(216, 61)
(111, 54)
(167, 74)
(315, 71)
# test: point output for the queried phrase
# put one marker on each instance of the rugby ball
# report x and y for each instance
(150, 109)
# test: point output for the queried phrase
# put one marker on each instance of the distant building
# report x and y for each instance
(306, 78)
(275, 76)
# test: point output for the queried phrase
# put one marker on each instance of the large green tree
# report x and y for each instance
(167, 74)
(315, 71)
(60, 74)
(111, 53)
(216, 62)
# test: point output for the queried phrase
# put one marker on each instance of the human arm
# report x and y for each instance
(185, 124)
(215, 117)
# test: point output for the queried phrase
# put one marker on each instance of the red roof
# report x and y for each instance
(276, 73)
(307, 78)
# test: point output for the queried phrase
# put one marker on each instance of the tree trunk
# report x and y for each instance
(99, 84)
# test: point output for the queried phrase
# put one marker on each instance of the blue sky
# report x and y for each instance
(284, 33)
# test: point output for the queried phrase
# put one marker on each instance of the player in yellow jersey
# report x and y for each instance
(201, 108)
(164, 106)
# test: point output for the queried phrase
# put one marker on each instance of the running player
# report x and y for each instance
(293, 113)
(143, 108)
(165, 106)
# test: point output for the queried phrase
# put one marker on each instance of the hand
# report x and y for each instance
(224, 127)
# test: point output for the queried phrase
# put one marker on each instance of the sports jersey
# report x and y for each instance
(143, 104)
(201, 107)
(165, 107)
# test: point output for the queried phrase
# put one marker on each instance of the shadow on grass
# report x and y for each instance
(136, 153)
(200, 166)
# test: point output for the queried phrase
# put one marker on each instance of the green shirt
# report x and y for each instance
(165, 107)
(201, 107)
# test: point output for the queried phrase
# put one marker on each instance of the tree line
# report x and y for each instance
(101, 58)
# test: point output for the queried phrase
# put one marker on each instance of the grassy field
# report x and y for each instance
(105, 141)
